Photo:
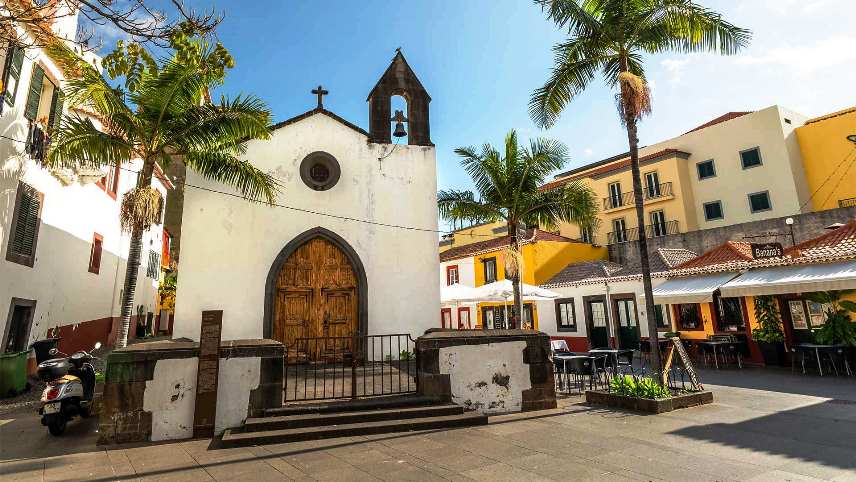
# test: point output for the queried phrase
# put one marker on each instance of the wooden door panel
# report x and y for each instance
(317, 289)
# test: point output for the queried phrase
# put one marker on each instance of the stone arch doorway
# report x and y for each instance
(316, 288)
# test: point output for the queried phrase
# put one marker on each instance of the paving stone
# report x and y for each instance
(503, 472)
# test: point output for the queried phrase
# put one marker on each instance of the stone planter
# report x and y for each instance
(599, 397)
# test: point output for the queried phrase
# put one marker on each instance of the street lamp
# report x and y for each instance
(790, 223)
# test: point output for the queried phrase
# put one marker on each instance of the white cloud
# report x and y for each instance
(675, 68)
(807, 59)
(588, 152)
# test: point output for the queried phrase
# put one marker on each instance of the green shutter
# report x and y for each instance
(27, 223)
(35, 95)
(56, 110)
(12, 70)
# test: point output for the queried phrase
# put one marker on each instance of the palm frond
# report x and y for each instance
(219, 126)
(457, 205)
(240, 174)
(685, 26)
(78, 143)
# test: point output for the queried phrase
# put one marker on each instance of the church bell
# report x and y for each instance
(399, 124)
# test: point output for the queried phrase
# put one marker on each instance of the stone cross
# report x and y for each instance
(320, 92)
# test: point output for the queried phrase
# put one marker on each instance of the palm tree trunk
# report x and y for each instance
(630, 120)
(516, 310)
(133, 267)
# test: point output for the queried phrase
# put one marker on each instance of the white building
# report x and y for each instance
(353, 253)
(458, 315)
(63, 252)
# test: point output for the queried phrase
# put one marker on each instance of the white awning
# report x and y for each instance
(793, 279)
(697, 289)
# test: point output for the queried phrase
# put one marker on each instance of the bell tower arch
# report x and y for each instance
(399, 79)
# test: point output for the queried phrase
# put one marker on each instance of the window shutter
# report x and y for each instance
(56, 110)
(32, 108)
(27, 225)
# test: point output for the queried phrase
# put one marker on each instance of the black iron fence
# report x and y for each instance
(336, 367)
(601, 373)
(654, 230)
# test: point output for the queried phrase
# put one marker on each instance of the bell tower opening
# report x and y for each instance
(399, 120)
(399, 84)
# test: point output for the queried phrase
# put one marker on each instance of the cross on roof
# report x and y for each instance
(320, 92)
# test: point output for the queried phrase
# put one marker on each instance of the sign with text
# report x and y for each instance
(207, 373)
(767, 250)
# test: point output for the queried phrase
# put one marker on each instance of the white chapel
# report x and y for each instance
(342, 262)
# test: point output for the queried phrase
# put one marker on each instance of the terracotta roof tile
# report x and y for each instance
(719, 120)
(585, 270)
(493, 244)
(839, 242)
(726, 253)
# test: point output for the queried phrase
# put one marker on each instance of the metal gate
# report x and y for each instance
(337, 367)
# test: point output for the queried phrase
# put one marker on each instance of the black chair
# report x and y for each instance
(625, 361)
(645, 352)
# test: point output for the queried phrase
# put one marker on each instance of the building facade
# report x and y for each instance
(829, 157)
(64, 253)
(353, 253)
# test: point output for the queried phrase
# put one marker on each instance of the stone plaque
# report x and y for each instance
(207, 373)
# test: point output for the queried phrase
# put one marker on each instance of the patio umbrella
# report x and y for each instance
(503, 290)
(457, 293)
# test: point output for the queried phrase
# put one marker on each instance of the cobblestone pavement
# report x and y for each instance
(764, 425)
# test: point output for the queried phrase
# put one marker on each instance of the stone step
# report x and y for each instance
(232, 438)
(375, 403)
(347, 417)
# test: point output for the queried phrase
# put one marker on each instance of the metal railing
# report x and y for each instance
(648, 193)
(336, 367)
(651, 231)
(847, 203)
(626, 380)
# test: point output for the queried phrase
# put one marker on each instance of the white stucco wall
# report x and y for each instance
(171, 398)
(494, 379)
(65, 292)
(466, 277)
(229, 244)
(236, 379)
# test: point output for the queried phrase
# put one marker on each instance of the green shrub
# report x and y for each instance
(838, 329)
(769, 321)
(643, 387)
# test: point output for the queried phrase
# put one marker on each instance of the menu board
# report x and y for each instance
(678, 347)
(798, 315)
(207, 373)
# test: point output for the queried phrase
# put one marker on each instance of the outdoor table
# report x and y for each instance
(816, 348)
(565, 359)
(716, 343)
(612, 352)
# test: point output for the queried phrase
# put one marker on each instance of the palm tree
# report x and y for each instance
(509, 190)
(162, 115)
(609, 37)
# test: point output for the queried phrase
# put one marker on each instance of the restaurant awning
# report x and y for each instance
(696, 289)
(793, 279)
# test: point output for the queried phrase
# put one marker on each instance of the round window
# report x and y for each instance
(320, 171)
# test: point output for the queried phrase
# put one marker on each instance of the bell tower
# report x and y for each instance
(399, 79)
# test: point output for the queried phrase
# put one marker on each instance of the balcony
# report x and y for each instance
(847, 203)
(625, 200)
(651, 231)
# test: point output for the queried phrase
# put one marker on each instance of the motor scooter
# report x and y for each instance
(70, 388)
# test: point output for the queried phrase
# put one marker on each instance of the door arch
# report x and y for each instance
(320, 270)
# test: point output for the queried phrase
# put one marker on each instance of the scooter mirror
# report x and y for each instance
(97, 345)
(53, 351)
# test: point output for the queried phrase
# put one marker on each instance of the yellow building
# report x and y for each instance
(482, 262)
(829, 158)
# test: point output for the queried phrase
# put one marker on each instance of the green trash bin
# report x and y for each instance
(13, 373)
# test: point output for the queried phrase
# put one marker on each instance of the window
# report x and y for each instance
(661, 314)
(658, 223)
(464, 318)
(26, 219)
(489, 270)
(598, 314)
(626, 312)
(95, 253)
(750, 158)
(153, 269)
(713, 210)
(42, 98)
(730, 314)
(11, 75)
(110, 182)
(689, 316)
(18, 324)
(816, 314)
(445, 317)
(451, 275)
(614, 194)
(619, 230)
(586, 235)
(760, 201)
(798, 317)
(566, 319)
(706, 169)
(652, 185)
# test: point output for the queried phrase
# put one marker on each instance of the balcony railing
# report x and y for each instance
(847, 203)
(649, 193)
(651, 231)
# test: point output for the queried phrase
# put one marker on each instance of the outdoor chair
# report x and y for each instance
(707, 352)
(625, 360)
(601, 367)
(645, 352)
(559, 346)
(733, 352)
(579, 369)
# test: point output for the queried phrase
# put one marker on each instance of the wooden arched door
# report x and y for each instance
(316, 296)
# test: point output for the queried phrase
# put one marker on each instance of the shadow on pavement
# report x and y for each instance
(783, 381)
(22, 436)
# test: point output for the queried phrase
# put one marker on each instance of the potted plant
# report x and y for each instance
(838, 328)
(769, 334)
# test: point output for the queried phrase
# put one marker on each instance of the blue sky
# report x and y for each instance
(481, 59)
